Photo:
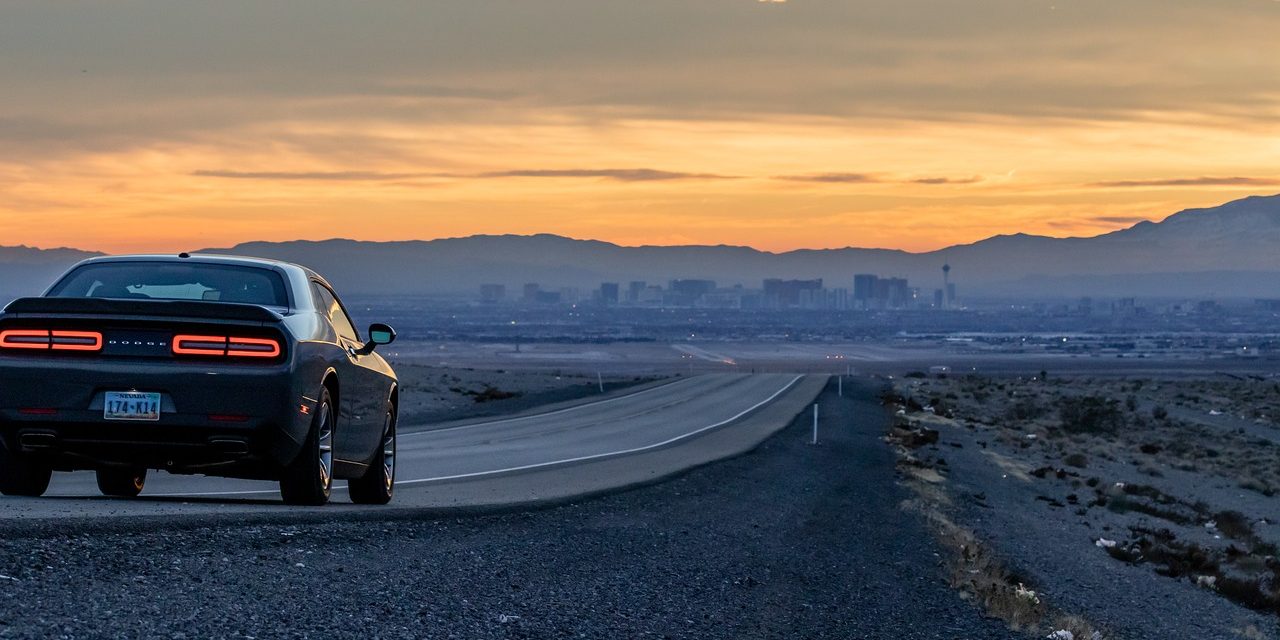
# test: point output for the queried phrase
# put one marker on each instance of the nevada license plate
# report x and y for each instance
(131, 405)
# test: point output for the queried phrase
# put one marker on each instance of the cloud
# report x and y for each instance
(868, 178)
(945, 180)
(621, 175)
(353, 176)
(835, 178)
(1202, 181)
(1119, 219)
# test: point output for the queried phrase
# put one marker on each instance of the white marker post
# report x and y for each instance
(600, 381)
(815, 424)
(840, 384)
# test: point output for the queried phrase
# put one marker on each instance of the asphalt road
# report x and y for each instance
(579, 450)
(789, 541)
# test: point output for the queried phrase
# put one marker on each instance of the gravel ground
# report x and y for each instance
(1046, 527)
(789, 541)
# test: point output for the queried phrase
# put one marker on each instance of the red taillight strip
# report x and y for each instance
(77, 341)
(56, 340)
(24, 339)
(233, 347)
(253, 347)
(200, 345)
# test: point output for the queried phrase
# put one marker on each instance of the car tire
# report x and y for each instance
(122, 483)
(308, 480)
(21, 475)
(378, 483)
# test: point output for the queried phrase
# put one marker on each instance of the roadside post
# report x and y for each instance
(815, 424)
(840, 384)
(600, 381)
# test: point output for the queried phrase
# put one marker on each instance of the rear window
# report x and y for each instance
(174, 281)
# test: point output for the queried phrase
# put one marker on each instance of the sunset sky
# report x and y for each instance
(140, 126)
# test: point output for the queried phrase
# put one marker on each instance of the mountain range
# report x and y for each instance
(1225, 251)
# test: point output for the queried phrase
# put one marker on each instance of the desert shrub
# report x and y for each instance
(1131, 402)
(490, 394)
(916, 374)
(1159, 412)
(1234, 525)
(1024, 409)
(1090, 414)
(1078, 460)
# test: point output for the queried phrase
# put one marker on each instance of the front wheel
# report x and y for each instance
(122, 483)
(21, 475)
(377, 484)
(308, 479)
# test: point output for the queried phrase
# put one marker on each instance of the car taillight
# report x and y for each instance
(51, 340)
(227, 346)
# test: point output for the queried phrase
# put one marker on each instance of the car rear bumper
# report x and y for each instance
(222, 419)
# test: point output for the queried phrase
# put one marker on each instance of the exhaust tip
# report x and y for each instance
(37, 440)
(231, 446)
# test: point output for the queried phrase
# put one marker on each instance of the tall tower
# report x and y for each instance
(946, 285)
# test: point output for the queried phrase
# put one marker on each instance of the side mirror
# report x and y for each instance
(381, 334)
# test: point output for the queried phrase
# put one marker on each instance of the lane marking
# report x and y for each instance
(539, 465)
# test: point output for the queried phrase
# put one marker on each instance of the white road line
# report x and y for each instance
(539, 465)
(549, 413)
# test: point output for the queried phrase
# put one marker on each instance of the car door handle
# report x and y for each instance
(351, 351)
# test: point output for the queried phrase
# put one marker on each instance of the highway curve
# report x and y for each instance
(616, 442)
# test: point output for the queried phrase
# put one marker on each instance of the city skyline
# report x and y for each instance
(156, 126)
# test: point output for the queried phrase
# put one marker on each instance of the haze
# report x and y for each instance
(905, 124)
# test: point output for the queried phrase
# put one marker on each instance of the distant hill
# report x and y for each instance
(1225, 251)
(27, 270)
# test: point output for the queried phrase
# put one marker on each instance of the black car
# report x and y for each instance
(195, 364)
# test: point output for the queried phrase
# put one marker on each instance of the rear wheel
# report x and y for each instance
(377, 484)
(21, 475)
(123, 483)
(308, 479)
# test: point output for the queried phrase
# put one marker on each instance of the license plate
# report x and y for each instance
(131, 405)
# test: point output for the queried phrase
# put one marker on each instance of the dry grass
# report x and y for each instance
(977, 572)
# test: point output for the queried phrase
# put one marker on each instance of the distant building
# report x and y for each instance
(893, 293)
(609, 293)
(492, 293)
(530, 292)
(651, 295)
(1085, 307)
(547, 297)
(690, 287)
(634, 290)
(789, 293)
(874, 292)
(1124, 307)
(570, 295)
(685, 293)
(864, 290)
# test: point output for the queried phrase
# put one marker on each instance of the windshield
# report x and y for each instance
(174, 281)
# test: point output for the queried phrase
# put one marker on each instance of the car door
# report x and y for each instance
(358, 385)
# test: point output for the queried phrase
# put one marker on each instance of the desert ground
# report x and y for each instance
(1130, 507)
